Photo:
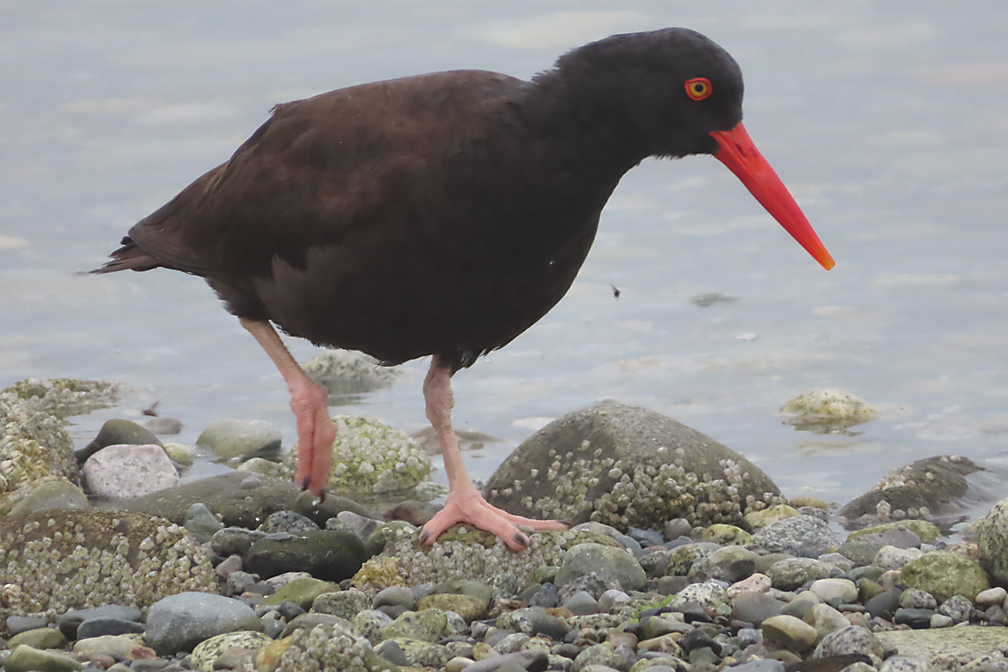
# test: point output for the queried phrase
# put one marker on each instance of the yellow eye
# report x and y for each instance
(698, 88)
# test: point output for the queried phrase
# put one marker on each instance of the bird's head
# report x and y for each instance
(674, 92)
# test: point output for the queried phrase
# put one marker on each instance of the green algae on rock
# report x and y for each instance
(323, 647)
(927, 532)
(827, 411)
(992, 542)
(944, 574)
(627, 466)
(369, 457)
(463, 552)
(52, 561)
(927, 489)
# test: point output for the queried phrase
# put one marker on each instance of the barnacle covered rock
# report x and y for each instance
(369, 457)
(53, 561)
(628, 467)
(463, 552)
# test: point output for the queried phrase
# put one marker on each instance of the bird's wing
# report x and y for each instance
(344, 164)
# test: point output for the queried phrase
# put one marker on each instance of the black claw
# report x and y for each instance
(304, 482)
(424, 536)
(521, 539)
(321, 498)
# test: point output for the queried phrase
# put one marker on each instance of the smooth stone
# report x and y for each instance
(958, 608)
(611, 564)
(611, 598)
(106, 626)
(755, 608)
(26, 659)
(207, 652)
(117, 432)
(129, 471)
(756, 583)
(392, 652)
(231, 437)
(598, 655)
(533, 622)
(789, 633)
(860, 551)
(17, 624)
(71, 620)
(201, 523)
(180, 622)
(651, 537)
(394, 596)
(329, 555)
(904, 664)
(533, 660)
(885, 604)
(118, 646)
(482, 591)
(824, 409)
(899, 537)
(675, 528)
(986, 598)
(915, 618)
(546, 596)
(582, 603)
(180, 453)
(726, 535)
(941, 621)
(826, 619)
(39, 638)
(833, 589)
(802, 605)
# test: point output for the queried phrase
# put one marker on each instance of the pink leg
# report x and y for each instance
(310, 403)
(464, 503)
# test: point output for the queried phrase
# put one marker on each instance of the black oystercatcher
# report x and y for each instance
(443, 215)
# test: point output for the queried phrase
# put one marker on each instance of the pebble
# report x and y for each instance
(180, 622)
(128, 471)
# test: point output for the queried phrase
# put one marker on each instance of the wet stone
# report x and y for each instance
(180, 622)
(805, 536)
(16, 624)
(345, 603)
(201, 523)
(26, 659)
(755, 608)
(38, 638)
(288, 521)
(613, 566)
(71, 620)
(792, 573)
(582, 603)
(98, 627)
(915, 618)
(912, 598)
(231, 437)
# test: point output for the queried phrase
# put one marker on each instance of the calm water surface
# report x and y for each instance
(889, 122)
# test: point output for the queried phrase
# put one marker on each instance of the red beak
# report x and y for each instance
(742, 158)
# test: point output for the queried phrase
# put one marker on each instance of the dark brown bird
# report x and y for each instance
(443, 215)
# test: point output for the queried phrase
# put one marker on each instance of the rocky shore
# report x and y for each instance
(681, 556)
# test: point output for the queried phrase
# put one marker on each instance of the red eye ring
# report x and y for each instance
(699, 88)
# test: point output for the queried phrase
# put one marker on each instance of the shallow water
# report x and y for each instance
(887, 120)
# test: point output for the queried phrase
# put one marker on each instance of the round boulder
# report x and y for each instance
(627, 467)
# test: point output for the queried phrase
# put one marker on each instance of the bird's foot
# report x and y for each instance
(468, 506)
(316, 433)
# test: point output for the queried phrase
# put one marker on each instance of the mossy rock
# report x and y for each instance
(927, 532)
(944, 574)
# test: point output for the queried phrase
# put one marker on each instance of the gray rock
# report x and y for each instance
(681, 559)
(753, 607)
(788, 632)
(891, 557)
(71, 620)
(290, 522)
(117, 432)
(238, 438)
(613, 566)
(913, 598)
(97, 627)
(533, 622)
(572, 469)
(850, 640)
(164, 426)
(915, 618)
(590, 583)
(835, 589)
(729, 564)
(707, 594)
(884, 605)
(900, 537)
(19, 624)
(904, 664)
(345, 603)
(346, 373)
(394, 596)
(944, 574)
(533, 660)
(827, 411)
(806, 536)
(201, 523)
(675, 528)
(330, 555)
(128, 471)
(582, 603)
(599, 655)
(363, 527)
(242, 500)
(958, 608)
(934, 485)
(802, 605)
(180, 622)
(392, 652)
(861, 551)
(368, 624)
(419, 653)
(792, 573)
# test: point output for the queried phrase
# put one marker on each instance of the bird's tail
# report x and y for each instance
(128, 257)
